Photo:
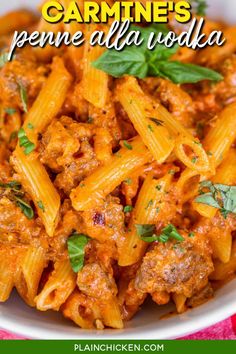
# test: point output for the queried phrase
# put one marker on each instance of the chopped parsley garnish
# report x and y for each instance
(30, 126)
(158, 187)
(191, 234)
(10, 111)
(128, 208)
(4, 59)
(24, 98)
(127, 145)
(158, 122)
(149, 204)
(13, 136)
(128, 181)
(41, 206)
(76, 249)
(218, 196)
(146, 233)
(194, 159)
(171, 172)
(25, 142)
(90, 120)
(150, 128)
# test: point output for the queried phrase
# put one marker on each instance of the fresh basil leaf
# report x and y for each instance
(207, 199)
(25, 207)
(181, 73)
(76, 249)
(200, 6)
(219, 196)
(129, 61)
(145, 230)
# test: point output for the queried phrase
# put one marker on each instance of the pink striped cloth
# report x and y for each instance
(223, 330)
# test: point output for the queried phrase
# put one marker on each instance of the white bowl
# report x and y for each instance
(17, 317)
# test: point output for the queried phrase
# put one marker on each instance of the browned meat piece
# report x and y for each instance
(105, 222)
(14, 225)
(21, 72)
(94, 282)
(67, 149)
(182, 268)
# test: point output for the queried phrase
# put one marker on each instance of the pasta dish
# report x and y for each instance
(117, 172)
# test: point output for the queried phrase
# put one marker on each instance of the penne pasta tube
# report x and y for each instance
(111, 314)
(75, 53)
(6, 278)
(220, 138)
(106, 178)
(146, 211)
(179, 300)
(94, 82)
(73, 309)
(223, 270)
(60, 285)
(37, 183)
(49, 100)
(29, 274)
(154, 135)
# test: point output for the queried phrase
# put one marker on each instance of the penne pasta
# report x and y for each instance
(37, 183)
(179, 300)
(105, 179)
(146, 211)
(49, 100)
(60, 285)
(29, 274)
(94, 82)
(154, 135)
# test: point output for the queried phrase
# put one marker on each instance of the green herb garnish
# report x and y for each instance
(200, 6)
(146, 233)
(10, 111)
(25, 207)
(127, 145)
(25, 142)
(128, 208)
(158, 122)
(24, 98)
(218, 196)
(142, 62)
(30, 126)
(76, 249)
(17, 196)
(128, 181)
(41, 206)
